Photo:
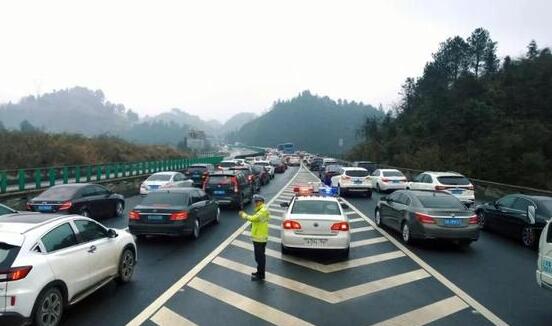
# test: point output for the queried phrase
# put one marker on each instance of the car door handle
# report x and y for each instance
(92, 249)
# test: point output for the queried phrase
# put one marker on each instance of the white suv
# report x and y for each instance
(49, 262)
(451, 182)
(352, 179)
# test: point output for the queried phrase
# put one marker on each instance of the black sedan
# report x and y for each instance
(261, 174)
(518, 216)
(89, 200)
(424, 214)
(176, 212)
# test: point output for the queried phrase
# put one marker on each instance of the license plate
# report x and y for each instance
(218, 192)
(396, 181)
(453, 222)
(45, 208)
(316, 242)
(456, 191)
(155, 218)
(154, 187)
(357, 181)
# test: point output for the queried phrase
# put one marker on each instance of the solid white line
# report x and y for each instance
(248, 305)
(173, 289)
(367, 242)
(277, 210)
(427, 314)
(446, 282)
(167, 317)
(350, 213)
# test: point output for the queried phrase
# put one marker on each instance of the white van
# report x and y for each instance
(544, 263)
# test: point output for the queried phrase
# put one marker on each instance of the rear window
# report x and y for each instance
(276, 162)
(257, 169)
(333, 168)
(220, 179)
(454, 180)
(367, 165)
(227, 164)
(546, 206)
(197, 169)
(165, 199)
(160, 177)
(392, 174)
(320, 207)
(430, 201)
(357, 173)
(59, 193)
(7, 255)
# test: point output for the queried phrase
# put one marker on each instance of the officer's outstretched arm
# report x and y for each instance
(253, 218)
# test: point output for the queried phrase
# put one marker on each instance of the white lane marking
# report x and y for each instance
(359, 219)
(282, 200)
(173, 289)
(274, 227)
(335, 267)
(432, 271)
(442, 279)
(362, 229)
(277, 210)
(367, 242)
(255, 308)
(427, 314)
(350, 213)
(167, 317)
(332, 297)
(286, 196)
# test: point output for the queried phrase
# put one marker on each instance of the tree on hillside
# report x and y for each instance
(532, 50)
(26, 126)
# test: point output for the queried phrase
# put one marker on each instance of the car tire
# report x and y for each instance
(528, 237)
(196, 230)
(378, 187)
(285, 250)
(377, 218)
(217, 217)
(482, 220)
(464, 243)
(49, 306)
(345, 253)
(406, 235)
(369, 194)
(85, 212)
(127, 262)
(119, 209)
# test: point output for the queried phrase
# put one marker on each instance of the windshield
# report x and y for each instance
(333, 168)
(59, 193)
(199, 169)
(454, 180)
(160, 177)
(440, 202)
(227, 164)
(219, 179)
(392, 174)
(165, 199)
(319, 207)
(357, 173)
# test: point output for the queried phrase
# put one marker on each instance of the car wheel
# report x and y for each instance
(85, 212)
(369, 194)
(345, 253)
(285, 250)
(464, 243)
(405, 233)
(196, 229)
(119, 209)
(377, 218)
(482, 219)
(49, 307)
(528, 237)
(126, 266)
(217, 217)
(378, 187)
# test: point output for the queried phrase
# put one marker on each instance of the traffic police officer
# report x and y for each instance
(259, 234)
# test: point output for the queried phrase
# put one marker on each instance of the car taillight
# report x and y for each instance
(345, 177)
(179, 216)
(441, 187)
(205, 183)
(250, 177)
(133, 215)
(28, 206)
(166, 185)
(424, 218)
(15, 273)
(235, 183)
(470, 187)
(341, 226)
(473, 219)
(291, 225)
(385, 180)
(65, 206)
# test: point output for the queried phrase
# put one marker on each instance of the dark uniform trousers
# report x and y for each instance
(260, 257)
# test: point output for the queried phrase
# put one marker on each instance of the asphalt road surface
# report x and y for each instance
(206, 282)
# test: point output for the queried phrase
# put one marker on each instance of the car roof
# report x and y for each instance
(442, 174)
(166, 173)
(318, 198)
(175, 190)
(26, 221)
(389, 170)
(364, 162)
(261, 161)
(427, 192)
(354, 168)
(72, 185)
(534, 197)
(226, 172)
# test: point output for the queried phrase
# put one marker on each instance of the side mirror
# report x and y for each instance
(496, 204)
(344, 206)
(531, 213)
(112, 233)
(284, 205)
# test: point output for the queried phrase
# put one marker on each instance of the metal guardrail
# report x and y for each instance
(38, 178)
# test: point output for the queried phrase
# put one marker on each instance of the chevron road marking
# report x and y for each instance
(329, 296)
(167, 317)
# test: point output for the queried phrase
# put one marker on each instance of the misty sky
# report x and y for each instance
(218, 58)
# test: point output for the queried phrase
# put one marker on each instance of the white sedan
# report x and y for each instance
(315, 222)
(164, 180)
(350, 180)
(49, 262)
(388, 179)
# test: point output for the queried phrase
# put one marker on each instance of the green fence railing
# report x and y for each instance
(38, 178)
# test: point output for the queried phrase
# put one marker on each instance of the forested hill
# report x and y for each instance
(472, 113)
(311, 122)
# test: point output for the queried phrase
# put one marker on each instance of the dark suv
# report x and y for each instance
(247, 170)
(199, 172)
(229, 188)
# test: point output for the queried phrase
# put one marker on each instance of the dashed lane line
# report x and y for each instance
(331, 268)
(353, 220)
(173, 289)
(362, 229)
(167, 317)
(250, 306)
(350, 213)
(332, 297)
(427, 314)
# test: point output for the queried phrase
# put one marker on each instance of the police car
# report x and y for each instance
(544, 262)
(315, 221)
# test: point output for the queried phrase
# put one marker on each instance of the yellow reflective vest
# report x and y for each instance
(259, 223)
